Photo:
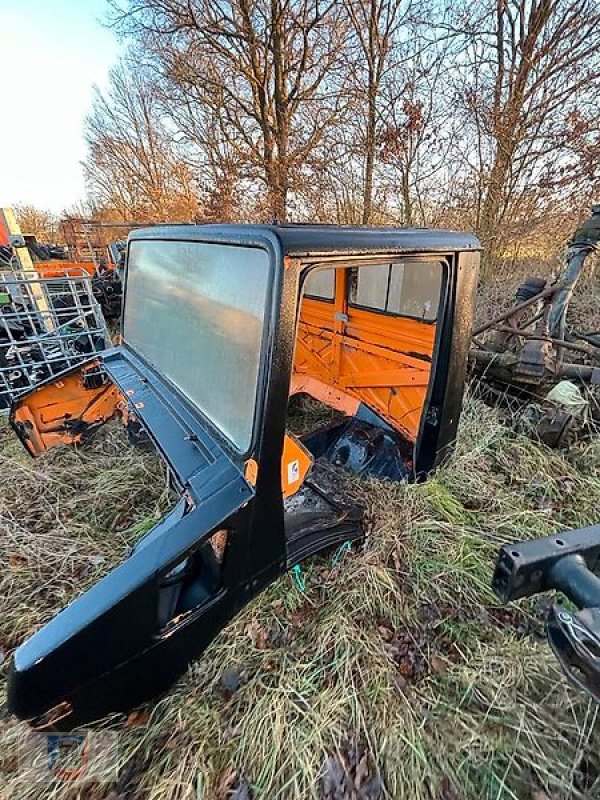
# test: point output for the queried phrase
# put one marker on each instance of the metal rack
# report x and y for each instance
(47, 326)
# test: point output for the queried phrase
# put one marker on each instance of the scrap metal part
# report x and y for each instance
(47, 326)
(529, 348)
(568, 563)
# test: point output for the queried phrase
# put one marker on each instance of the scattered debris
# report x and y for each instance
(233, 786)
(47, 326)
(231, 680)
(257, 635)
(137, 718)
(533, 354)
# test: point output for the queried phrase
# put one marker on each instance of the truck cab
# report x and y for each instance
(221, 326)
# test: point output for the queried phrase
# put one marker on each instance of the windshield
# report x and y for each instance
(196, 311)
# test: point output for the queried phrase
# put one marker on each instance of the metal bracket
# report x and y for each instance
(16, 240)
(567, 563)
(526, 568)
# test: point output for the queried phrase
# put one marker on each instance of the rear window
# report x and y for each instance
(407, 288)
(320, 284)
(196, 312)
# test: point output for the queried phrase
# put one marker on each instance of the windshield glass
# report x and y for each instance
(196, 311)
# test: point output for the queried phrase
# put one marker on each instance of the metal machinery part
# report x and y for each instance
(49, 318)
(363, 448)
(41, 340)
(107, 287)
(93, 242)
(529, 348)
(88, 249)
(567, 563)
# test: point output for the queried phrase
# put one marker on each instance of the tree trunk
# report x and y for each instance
(406, 198)
(370, 156)
(277, 199)
(488, 230)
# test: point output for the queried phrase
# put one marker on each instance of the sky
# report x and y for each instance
(52, 53)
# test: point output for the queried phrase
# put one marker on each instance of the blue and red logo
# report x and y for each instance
(67, 755)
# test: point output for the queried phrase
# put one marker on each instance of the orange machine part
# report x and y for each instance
(4, 237)
(295, 463)
(59, 269)
(43, 413)
(347, 355)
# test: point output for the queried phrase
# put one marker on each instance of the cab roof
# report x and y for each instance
(308, 240)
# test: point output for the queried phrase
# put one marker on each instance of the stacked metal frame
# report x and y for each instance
(47, 326)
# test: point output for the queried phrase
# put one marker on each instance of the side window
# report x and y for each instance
(371, 286)
(320, 284)
(415, 289)
(409, 288)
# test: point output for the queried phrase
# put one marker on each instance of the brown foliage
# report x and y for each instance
(481, 115)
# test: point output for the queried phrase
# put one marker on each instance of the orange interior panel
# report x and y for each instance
(43, 413)
(346, 355)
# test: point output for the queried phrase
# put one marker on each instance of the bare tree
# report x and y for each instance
(531, 62)
(478, 114)
(417, 129)
(38, 222)
(133, 166)
(579, 171)
(372, 52)
(259, 67)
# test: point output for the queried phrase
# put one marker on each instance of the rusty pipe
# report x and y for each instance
(525, 304)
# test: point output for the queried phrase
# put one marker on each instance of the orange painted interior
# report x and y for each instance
(47, 411)
(347, 355)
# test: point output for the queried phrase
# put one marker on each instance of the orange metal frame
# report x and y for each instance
(346, 355)
(47, 408)
(60, 269)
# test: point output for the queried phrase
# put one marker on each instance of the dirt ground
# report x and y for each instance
(392, 673)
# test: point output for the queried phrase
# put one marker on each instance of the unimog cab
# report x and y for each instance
(221, 325)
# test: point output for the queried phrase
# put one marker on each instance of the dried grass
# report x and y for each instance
(399, 647)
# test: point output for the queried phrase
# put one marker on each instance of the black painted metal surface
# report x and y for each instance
(130, 636)
(568, 563)
(312, 241)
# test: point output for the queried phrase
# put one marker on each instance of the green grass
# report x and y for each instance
(394, 667)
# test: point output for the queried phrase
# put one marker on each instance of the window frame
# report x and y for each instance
(394, 314)
(318, 298)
